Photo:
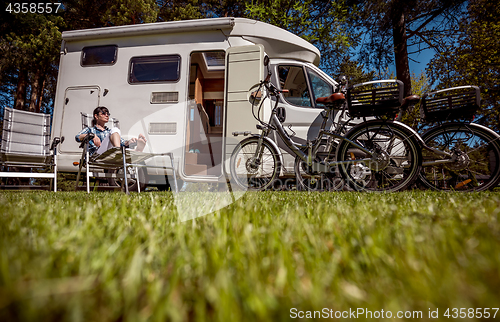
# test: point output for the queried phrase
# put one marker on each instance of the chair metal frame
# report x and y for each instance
(26, 143)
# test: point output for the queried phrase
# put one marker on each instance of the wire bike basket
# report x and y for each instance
(450, 104)
(376, 98)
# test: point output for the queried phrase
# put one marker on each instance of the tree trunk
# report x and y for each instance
(21, 90)
(34, 91)
(39, 98)
(401, 51)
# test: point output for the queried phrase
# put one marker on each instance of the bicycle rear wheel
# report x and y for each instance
(476, 154)
(251, 172)
(395, 162)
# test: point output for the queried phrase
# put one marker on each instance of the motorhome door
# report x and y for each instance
(244, 69)
(77, 99)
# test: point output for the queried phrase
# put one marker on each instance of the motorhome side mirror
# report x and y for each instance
(266, 60)
(254, 94)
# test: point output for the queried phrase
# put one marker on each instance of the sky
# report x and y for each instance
(422, 59)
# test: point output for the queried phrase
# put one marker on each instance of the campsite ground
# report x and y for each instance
(270, 256)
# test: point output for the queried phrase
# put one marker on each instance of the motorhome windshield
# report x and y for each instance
(303, 84)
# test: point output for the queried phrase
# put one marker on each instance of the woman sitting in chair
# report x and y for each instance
(104, 137)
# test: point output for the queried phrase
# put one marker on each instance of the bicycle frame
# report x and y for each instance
(374, 155)
(312, 148)
(453, 157)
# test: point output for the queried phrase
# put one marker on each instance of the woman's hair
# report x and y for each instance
(97, 110)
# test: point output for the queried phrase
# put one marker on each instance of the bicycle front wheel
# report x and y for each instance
(253, 168)
(475, 152)
(393, 165)
(309, 180)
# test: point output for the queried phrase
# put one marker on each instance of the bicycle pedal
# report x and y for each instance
(246, 133)
(463, 183)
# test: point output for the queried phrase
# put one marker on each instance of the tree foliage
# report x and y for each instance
(323, 23)
(130, 12)
(30, 44)
(392, 27)
(472, 57)
(29, 48)
(172, 10)
(387, 31)
(420, 85)
(355, 71)
(84, 14)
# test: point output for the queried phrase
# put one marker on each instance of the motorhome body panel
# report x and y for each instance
(132, 104)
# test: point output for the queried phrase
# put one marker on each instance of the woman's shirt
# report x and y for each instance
(101, 134)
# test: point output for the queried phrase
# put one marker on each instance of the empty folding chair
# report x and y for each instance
(26, 144)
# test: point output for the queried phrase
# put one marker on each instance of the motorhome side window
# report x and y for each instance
(100, 55)
(293, 79)
(155, 69)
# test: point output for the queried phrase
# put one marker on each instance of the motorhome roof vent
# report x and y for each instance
(164, 97)
(162, 128)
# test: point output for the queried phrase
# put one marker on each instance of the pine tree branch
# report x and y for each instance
(425, 40)
(426, 22)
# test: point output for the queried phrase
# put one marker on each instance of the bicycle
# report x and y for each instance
(459, 155)
(377, 155)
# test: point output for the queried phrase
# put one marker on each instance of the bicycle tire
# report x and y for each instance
(477, 166)
(246, 175)
(307, 180)
(398, 163)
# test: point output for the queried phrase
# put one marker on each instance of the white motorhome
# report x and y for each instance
(184, 85)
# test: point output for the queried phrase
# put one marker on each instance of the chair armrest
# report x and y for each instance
(86, 139)
(56, 141)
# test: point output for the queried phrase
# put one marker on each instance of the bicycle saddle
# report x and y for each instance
(335, 97)
(410, 100)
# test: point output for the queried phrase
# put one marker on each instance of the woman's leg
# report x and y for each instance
(111, 140)
(141, 142)
(115, 138)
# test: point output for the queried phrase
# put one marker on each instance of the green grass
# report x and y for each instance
(112, 257)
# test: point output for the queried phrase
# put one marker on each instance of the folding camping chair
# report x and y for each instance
(115, 159)
(26, 143)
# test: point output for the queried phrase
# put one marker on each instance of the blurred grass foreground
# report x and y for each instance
(111, 257)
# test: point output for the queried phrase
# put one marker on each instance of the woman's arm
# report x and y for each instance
(83, 133)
